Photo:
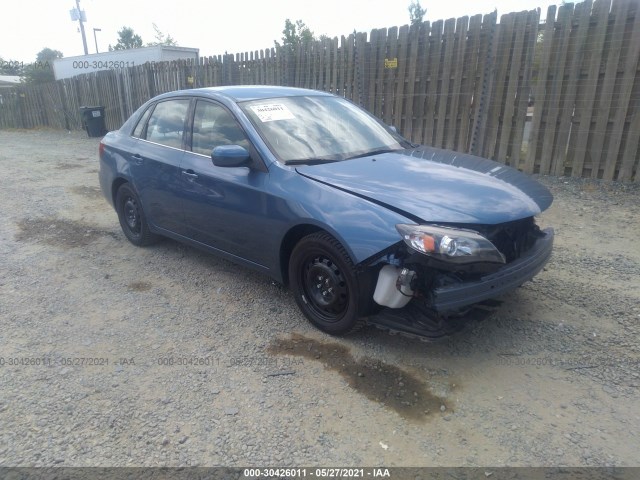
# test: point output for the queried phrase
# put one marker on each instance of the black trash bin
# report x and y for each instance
(93, 121)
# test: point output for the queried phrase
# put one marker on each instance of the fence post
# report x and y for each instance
(150, 80)
(21, 107)
(480, 122)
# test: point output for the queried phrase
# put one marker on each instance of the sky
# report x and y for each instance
(214, 26)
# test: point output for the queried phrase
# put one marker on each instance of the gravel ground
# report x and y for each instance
(112, 355)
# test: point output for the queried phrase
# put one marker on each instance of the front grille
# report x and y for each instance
(513, 239)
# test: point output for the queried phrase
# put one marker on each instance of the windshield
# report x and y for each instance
(317, 128)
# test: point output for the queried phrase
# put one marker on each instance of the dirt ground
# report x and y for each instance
(113, 355)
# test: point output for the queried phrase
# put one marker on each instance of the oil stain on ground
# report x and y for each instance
(68, 166)
(139, 286)
(389, 385)
(89, 192)
(59, 232)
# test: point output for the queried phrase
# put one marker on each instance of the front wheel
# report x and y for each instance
(324, 283)
(132, 219)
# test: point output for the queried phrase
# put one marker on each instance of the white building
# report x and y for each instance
(72, 66)
(8, 81)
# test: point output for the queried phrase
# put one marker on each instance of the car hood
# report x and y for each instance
(432, 185)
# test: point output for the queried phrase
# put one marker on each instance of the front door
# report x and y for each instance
(224, 207)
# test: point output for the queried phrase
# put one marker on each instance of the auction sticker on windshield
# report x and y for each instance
(272, 111)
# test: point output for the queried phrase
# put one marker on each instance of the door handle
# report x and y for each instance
(137, 158)
(190, 173)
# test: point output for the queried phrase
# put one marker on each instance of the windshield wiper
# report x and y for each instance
(375, 152)
(310, 161)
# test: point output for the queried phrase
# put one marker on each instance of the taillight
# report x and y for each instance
(101, 149)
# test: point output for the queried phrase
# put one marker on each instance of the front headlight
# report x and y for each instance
(450, 244)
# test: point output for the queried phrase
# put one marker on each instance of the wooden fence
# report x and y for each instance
(469, 84)
(587, 116)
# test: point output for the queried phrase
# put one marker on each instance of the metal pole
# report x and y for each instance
(95, 39)
(84, 38)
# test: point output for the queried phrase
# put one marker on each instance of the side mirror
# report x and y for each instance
(230, 156)
(393, 128)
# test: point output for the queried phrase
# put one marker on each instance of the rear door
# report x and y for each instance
(155, 163)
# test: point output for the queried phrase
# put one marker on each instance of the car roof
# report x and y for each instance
(228, 94)
(243, 93)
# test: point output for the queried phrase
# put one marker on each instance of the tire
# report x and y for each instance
(132, 219)
(324, 284)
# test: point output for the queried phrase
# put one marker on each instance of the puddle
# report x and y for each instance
(139, 286)
(59, 232)
(389, 385)
(90, 192)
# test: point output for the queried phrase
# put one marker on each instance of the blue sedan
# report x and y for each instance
(311, 190)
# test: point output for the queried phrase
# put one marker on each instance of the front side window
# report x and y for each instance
(300, 129)
(214, 126)
(166, 124)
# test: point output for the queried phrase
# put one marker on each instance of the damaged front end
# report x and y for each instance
(437, 273)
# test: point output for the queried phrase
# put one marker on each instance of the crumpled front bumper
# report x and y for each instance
(511, 276)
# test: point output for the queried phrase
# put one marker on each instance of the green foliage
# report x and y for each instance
(127, 39)
(294, 35)
(41, 71)
(161, 38)
(416, 12)
(537, 57)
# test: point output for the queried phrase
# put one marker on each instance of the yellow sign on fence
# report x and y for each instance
(391, 62)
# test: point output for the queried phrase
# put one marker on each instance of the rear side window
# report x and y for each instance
(166, 123)
(139, 130)
(213, 126)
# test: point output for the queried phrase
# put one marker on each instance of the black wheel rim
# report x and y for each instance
(326, 291)
(131, 215)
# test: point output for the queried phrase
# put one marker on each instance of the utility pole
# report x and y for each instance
(81, 22)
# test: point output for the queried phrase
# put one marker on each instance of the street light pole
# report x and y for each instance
(95, 38)
(84, 38)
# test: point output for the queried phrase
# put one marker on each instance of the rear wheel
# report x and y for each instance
(132, 219)
(324, 283)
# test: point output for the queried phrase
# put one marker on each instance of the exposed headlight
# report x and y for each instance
(450, 244)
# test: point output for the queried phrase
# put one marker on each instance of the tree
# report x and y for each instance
(161, 38)
(127, 39)
(537, 57)
(294, 35)
(41, 71)
(416, 12)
